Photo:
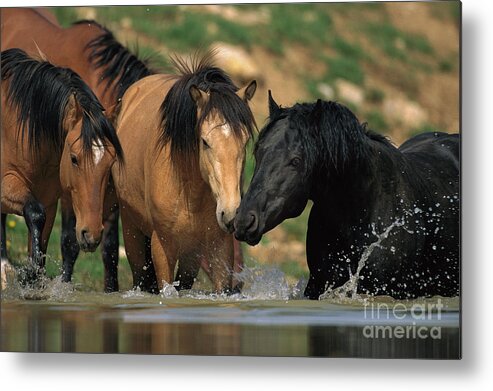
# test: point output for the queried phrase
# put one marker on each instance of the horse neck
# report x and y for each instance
(353, 192)
(193, 187)
(12, 140)
(79, 36)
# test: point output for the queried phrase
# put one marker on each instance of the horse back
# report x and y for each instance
(433, 142)
(36, 33)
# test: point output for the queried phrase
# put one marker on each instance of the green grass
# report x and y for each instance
(376, 121)
(65, 15)
(178, 29)
(188, 29)
(307, 24)
(447, 65)
(347, 49)
(374, 95)
(446, 10)
(395, 43)
(157, 61)
(344, 68)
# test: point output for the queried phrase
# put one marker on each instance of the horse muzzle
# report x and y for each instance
(87, 241)
(246, 227)
(225, 220)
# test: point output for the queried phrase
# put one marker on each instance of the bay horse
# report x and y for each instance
(108, 68)
(184, 138)
(386, 218)
(55, 137)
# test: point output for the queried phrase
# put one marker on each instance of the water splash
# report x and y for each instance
(135, 293)
(169, 291)
(43, 288)
(264, 283)
(260, 282)
(349, 288)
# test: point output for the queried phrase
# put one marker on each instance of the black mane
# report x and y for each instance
(179, 111)
(40, 92)
(120, 65)
(332, 134)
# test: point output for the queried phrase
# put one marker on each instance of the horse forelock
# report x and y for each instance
(96, 127)
(180, 123)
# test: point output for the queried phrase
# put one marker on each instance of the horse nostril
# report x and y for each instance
(252, 225)
(85, 234)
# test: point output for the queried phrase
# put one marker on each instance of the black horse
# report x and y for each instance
(385, 218)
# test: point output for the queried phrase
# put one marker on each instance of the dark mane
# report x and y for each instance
(40, 92)
(121, 67)
(331, 132)
(179, 111)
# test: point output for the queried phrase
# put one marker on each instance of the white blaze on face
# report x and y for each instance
(97, 151)
(226, 129)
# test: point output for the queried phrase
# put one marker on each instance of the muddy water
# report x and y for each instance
(268, 319)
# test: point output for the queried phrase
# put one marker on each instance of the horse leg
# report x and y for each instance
(206, 267)
(4, 236)
(221, 256)
(188, 269)
(110, 241)
(136, 248)
(35, 217)
(238, 265)
(69, 246)
(50, 213)
(111, 244)
(164, 260)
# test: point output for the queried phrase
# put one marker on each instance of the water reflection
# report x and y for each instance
(40, 327)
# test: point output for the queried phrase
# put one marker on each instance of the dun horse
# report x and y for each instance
(55, 138)
(385, 218)
(184, 139)
(109, 69)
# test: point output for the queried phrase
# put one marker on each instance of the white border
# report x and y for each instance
(126, 372)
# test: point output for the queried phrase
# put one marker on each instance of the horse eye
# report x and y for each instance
(295, 161)
(74, 160)
(204, 143)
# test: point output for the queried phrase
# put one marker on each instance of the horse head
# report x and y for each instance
(222, 155)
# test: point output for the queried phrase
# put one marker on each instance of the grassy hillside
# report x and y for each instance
(396, 65)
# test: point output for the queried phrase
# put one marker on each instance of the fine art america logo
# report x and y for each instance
(411, 320)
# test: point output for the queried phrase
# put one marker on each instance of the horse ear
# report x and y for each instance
(247, 92)
(317, 111)
(198, 96)
(73, 113)
(273, 106)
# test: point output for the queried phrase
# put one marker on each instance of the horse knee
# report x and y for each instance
(34, 214)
